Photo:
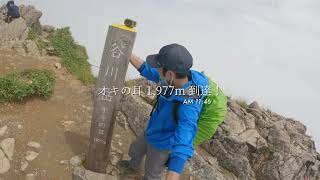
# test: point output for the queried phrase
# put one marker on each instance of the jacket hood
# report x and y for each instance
(197, 79)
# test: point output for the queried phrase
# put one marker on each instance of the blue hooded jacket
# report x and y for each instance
(163, 132)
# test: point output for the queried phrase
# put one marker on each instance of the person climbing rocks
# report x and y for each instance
(12, 11)
(167, 142)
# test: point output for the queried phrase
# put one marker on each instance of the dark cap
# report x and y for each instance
(172, 57)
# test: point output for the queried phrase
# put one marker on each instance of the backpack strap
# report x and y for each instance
(175, 109)
(176, 105)
(155, 104)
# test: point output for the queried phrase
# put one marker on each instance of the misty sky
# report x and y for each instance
(264, 50)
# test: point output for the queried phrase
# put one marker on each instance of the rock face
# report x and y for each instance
(76, 161)
(207, 169)
(15, 35)
(31, 48)
(24, 165)
(3, 130)
(30, 14)
(31, 155)
(7, 145)
(34, 144)
(16, 30)
(83, 174)
(4, 163)
(48, 28)
(138, 121)
(252, 143)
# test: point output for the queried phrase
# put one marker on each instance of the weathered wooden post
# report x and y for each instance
(113, 69)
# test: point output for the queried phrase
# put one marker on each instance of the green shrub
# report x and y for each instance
(242, 102)
(20, 85)
(130, 83)
(74, 56)
(34, 35)
(271, 149)
(267, 109)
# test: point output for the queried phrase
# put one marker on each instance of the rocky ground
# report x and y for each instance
(15, 35)
(252, 143)
(47, 139)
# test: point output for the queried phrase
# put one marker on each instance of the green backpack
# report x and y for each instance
(212, 114)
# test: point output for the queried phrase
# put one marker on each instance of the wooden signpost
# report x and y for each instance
(113, 68)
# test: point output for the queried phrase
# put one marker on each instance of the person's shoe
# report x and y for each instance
(127, 172)
(125, 165)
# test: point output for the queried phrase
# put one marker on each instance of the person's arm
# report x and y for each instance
(182, 148)
(144, 69)
(136, 61)
(171, 175)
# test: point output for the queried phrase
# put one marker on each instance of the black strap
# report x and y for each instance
(176, 105)
(155, 104)
(174, 111)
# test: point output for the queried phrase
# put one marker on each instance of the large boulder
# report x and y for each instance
(253, 139)
(207, 169)
(16, 30)
(4, 163)
(14, 35)
(30, 14)
(279, 138)
(232, 154)
(48, 28)
(79, 173)
(232, 124)
(3, 11)
(136, 119)
(32, 48)
(7, 145)
(278, 148)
